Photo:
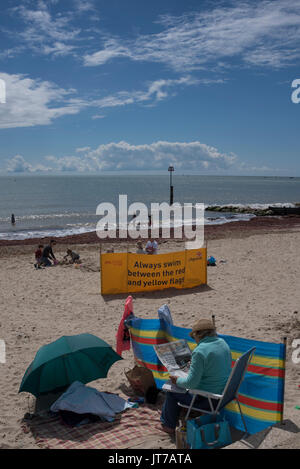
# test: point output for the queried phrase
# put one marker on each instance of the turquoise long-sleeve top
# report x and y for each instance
(210, 366)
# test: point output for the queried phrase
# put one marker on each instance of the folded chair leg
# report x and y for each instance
(190, 408)
(244, 423)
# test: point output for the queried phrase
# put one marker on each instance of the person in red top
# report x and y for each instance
(38, 256)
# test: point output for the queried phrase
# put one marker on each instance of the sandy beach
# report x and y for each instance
(254, 294)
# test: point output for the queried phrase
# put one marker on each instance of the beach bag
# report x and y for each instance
(140, 379)
(211, 261)
(208, 432)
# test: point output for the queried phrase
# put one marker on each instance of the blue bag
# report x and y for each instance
(208, 432)
(211, 261)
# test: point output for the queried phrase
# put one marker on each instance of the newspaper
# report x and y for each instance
(175, 356)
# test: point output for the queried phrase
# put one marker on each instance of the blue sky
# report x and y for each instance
(136, 85)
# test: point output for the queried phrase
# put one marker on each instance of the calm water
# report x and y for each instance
(60, 205)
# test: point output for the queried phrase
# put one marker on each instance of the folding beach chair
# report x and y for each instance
(230, 392)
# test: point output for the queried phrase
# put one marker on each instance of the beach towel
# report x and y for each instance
(82, 399)
(123, 336)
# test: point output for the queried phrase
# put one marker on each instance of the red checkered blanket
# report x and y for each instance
(129, 428)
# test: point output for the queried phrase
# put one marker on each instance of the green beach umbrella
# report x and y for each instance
(82, 357)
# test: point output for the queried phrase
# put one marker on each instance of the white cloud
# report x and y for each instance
(34, 102)
(83, 6)
(156, 91)
(269, 56)
(156, 156)
(17, 164)
(69, 163)
(50, 27)
(58, 48)
(262, 33)
(43, 25)
(82, 149)
(123, 156)
(11, 52)
(31, 102)
(112, 50)
(45, 32)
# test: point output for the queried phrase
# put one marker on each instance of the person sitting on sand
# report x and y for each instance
(209, 371)
(48, 254)
(151, 246)
(74, 257)
(38, 256)
(140, 249)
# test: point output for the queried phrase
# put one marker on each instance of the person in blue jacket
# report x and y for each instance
(209, 371)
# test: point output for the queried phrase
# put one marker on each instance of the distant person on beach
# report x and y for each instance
(13, 220)
(38, 256)
(209, 371)
(74, 257)
(48, 254)
(140, 249)
(151, 246)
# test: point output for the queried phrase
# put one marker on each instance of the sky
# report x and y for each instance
(90, 86)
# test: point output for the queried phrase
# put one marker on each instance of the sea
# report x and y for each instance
(62, 205)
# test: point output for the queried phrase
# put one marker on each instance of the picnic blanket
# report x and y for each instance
(128, 429)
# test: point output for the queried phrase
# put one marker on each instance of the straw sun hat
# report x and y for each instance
(202, 325)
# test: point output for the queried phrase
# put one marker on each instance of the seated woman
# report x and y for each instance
(209, 371)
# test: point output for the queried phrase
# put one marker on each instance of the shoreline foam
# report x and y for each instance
(236, 228)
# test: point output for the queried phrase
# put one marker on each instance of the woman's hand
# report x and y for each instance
(173, 379)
